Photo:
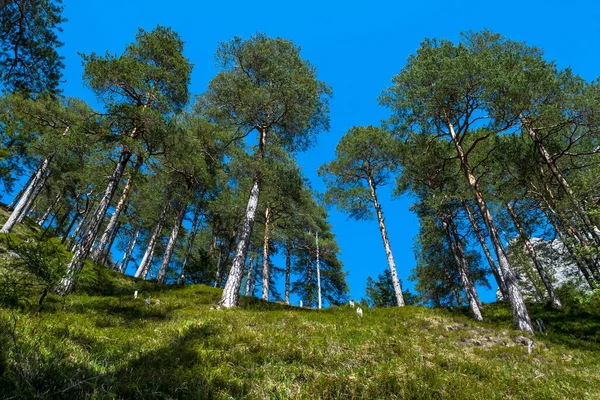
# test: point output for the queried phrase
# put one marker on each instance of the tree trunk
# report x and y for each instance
(592, 230)
(42, 220)
(253, 277)
(129, 251)
(319, 301)
(188, 250)
(231, 291)
(249, 277)
(486, 250)
(82, 249)
(14, 202)
(144, 266)
(462, 265)
(164, 267)
(532, 253)
(109, 245)
(265, 269)
(27, 197)
(387, 247)
(80, 226)
(36, 191)
(519, 310)
(288, 270)
(114, 218)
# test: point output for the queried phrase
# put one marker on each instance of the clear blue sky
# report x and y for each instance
(357, 47)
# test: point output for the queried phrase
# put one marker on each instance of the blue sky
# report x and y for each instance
(357, 47)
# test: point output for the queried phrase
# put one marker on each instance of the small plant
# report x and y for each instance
(32, 268)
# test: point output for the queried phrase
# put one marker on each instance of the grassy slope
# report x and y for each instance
(112, 346)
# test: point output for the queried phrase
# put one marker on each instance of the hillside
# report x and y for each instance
(102, 343)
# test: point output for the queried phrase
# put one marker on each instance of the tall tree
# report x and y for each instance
(442, 91)
(365, 160)
(29, 59)
(140, 89)
(265, 86)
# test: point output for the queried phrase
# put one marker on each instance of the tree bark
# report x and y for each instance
(319, 301)
(231, 291)
(486, 250)
(288, 270)
(462, 265)
(265, 269)
(27, 197)
(387, 247)
(42, 220)
(188, 250)
(129, 251)
(249, 277)
(82, 249)
(532, 253)
(14, 202)
(164, 267)
(144, 266)
(114, 218)
(592, 230)
(520, 314)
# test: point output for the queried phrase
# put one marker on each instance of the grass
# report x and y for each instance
(101, 343)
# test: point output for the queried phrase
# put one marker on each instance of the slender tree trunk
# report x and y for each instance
(109, 245)
(188, 250)
(532, 253)
(29, 206)
(164, 267)
(80, 226)
(114, 218)
(82, 249)
(14, 202)
(42, 220)
(582, 264)
(519, 310)
(63, 219)
(486, 251)
(129, 251)
(462, 265)
(231, 291)
(592, 230)
(265, 269)
(27, 197)
(288, 270)
(249, 277)
(144, 266)
(320, 303)
(254, 274)
(386, 245)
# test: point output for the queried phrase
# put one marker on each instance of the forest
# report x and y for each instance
(159, 190)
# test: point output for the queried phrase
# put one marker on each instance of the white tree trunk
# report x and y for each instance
(188, 250)
(532, 253)
(144, 266)
(320, 303)
(463, 267)
(42, 220)
(387, 247)
(288, 270)
(129, 252)
(82, 249)
(486, 251)
(249, 277)
(164, 267)
(27, 197)
(520, 315)
(265, 269)
(112, 223)
(231, 292)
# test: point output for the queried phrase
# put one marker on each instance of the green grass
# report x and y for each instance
(102, 343)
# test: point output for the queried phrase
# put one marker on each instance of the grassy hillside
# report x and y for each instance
(102, 343)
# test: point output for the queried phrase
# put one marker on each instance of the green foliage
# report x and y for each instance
(30, 268)
(29, 60)
(380, 293)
